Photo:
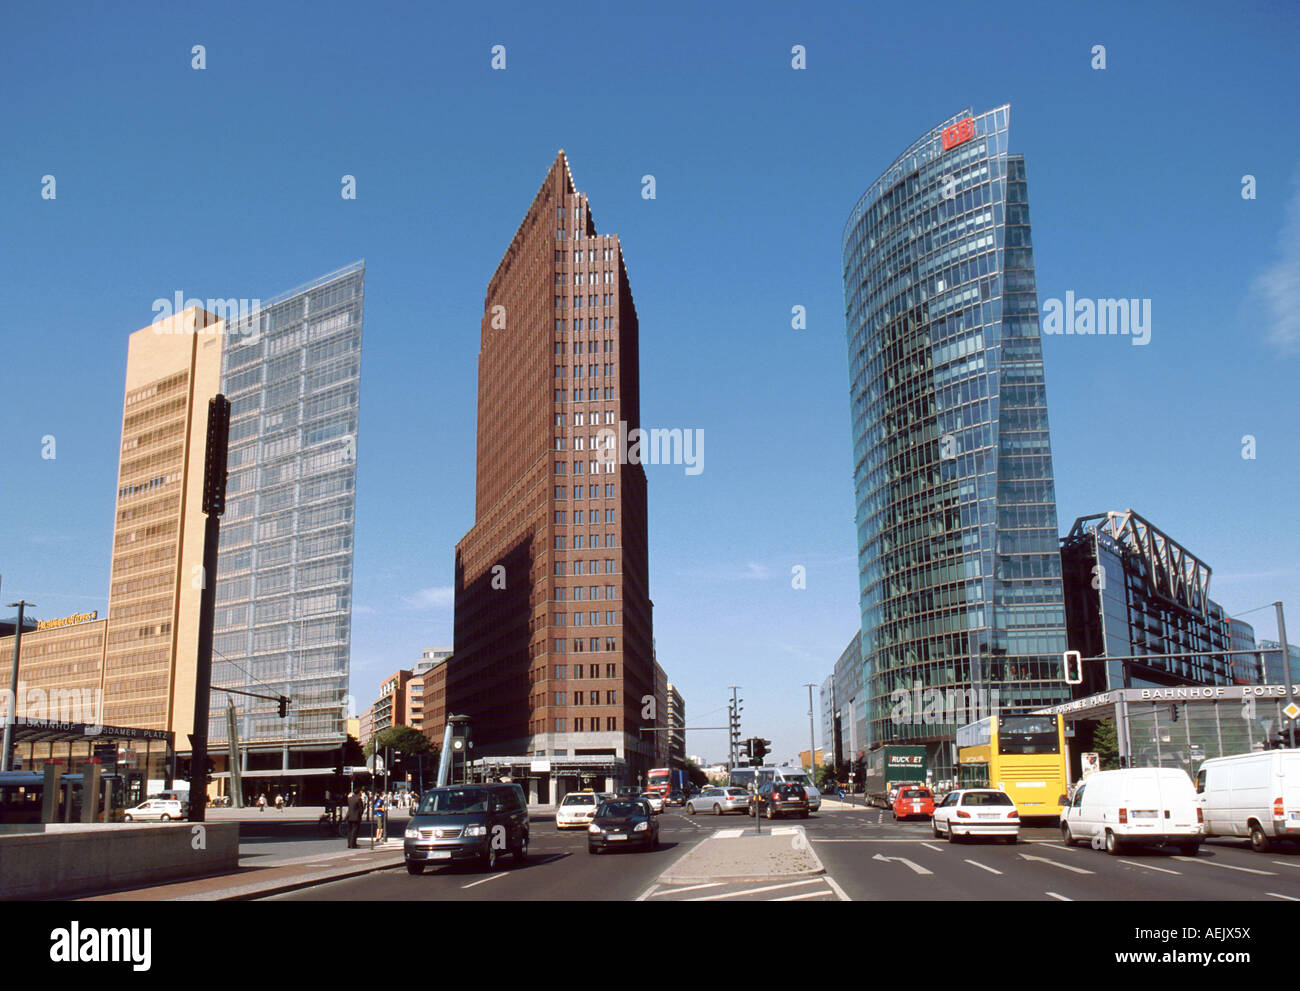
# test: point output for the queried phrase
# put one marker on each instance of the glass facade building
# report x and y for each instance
(291, 371)
(1131, 590)
(959, 567)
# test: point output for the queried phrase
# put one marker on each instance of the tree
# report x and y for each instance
(403, 744)
(825, 779)
(1105, 743)
(694, 773)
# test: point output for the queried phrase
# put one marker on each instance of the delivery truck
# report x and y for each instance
(891, 766)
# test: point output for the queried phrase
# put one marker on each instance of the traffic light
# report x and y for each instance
(182, 769)
(215, 456)
(761, 748)
(284, 707)
(1073, 667)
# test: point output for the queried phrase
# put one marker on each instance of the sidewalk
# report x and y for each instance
(271, 877)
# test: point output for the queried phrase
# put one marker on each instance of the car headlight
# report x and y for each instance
(593, 828)
(641, 827)
(412, 833)
(479, 830)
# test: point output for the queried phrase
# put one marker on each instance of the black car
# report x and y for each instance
(776, 799)
(457, 823)
(623, 822)
(675, 798)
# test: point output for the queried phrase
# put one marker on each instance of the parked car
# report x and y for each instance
(158, 810)
(623, 822)
(719, 801)
(1135, 806)
(457, 823)
(576, 809)
(1255, 795)
(976, 812)
(914, 802)
(778, 798)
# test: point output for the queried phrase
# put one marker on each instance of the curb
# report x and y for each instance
(267, 888)
(669, 878)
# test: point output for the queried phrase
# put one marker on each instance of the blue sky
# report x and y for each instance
(225, 182)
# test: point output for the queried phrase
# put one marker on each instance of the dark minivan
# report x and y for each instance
(467, 822)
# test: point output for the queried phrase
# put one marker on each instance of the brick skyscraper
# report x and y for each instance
(553, 614)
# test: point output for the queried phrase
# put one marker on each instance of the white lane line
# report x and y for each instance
(1064, 867)
(837, 889)
(1286, 898)
(728, 834)
(917, 868)
(989, 869)
(799, 898)
(1152, 867)
(689, 887)
(484, 880)
(1059, 898)
(648, 893)
(755, 891)
(1226, 867)
(936, 849)
(1286, 863)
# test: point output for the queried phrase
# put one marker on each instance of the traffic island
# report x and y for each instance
(745, 855)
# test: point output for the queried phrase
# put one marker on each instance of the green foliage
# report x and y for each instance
(1106, 744)
(399, 739)
(694, 774)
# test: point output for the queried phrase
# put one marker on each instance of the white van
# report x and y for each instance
(1136, 806)
(1255, 795)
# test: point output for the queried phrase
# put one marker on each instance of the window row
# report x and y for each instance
(580, 419)
(590, 644)
(580, 592)
(611, 725)
(579, 516)
(591, 567)
(589, 619)
(561, 671)
(592, 492)
(587, 698)
(580, 541)
(592, 395)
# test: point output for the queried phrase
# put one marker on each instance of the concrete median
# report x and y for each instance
(744, 855)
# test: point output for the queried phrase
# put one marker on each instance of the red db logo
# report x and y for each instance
(960, 132)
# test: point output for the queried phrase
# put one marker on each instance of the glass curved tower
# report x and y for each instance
(959, 567)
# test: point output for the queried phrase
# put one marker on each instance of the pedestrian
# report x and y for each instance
(261, 803)
(381, 806)
(355, 806)
(279, 801)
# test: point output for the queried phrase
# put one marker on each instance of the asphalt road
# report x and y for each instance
(868, 857)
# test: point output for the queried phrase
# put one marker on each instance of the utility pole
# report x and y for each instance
(1286, 659)
(733, 724)
(11, 717)
(812, 738)
(214, 504)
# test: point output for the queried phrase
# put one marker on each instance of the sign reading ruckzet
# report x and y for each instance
(81, 617)
(959, 133)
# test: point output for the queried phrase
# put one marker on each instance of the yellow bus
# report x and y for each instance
(1023, 756)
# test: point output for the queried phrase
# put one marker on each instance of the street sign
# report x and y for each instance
(1291, 711)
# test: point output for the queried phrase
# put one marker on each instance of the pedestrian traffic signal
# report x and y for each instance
(1073, 667)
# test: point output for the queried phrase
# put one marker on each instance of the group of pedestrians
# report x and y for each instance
(279, 801)
(379, 804)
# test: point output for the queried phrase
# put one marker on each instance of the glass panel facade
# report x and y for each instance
(292, 374)
(959, 569)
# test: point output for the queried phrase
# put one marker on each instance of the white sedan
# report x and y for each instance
(577, 809)
(976, 812)
(656, 801)
(157, 809)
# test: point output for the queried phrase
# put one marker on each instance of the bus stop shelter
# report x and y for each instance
(1185, 725)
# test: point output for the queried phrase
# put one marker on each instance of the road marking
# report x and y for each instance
(1226, 867)
(483, 880)
(931, 846)
(649, 892)
(755, 891)
(728, 834)
(785, 831)
(1152, 867)
(989, 869)
(1285, 863)
(903, 860)
(1287, 898)
(1060, 898)
(837, 889)
(689, 887)
(1044, 860)
(799, 898)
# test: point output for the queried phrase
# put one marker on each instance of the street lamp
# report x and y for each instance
(11, 717)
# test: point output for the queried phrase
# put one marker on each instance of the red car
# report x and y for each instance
(914, 802)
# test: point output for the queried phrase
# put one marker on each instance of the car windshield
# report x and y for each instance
(986, 798)
(580, 800)
(916, 793)
(454, 801)
(737, 792)
(619, 810)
